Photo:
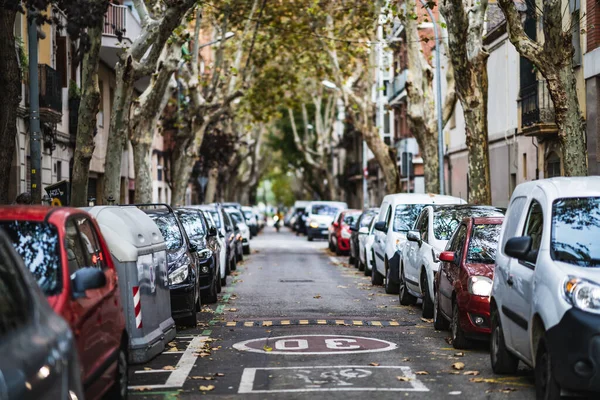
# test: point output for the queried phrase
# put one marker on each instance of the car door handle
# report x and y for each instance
(510, 281)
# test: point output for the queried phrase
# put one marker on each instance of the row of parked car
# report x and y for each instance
(85, 292)
(526, 278)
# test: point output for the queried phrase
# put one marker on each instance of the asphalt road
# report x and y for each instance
(307, 325)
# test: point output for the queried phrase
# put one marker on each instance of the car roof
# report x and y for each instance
(487, 220)
(421, 198)
(328, 203)
(574, 186)
(37, 213)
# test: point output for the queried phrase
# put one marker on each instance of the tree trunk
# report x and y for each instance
(86, 123)
(428, 146)
(181, 170)
(10, 87)
(143, 177)
(211, 186)
(383, 154)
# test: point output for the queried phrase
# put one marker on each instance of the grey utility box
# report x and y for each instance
(139, 252)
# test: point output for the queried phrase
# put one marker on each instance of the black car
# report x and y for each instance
(226, 234)
(239, 249)
(207, 251)
(362, 222)
(182, 263)
(39, 354)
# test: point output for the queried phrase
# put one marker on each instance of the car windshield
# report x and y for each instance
(484, 240)
(248, 214)
(405, 216)
(192, 223)
(236, 216)
(324, 209)
(350, 219)
(216, 219)
(447, 218)
(170, 230)
(366, 219)
(38, 244)
(575, 231)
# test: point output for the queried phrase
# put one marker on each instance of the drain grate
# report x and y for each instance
(296, 280)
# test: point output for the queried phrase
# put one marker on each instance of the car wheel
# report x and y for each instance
(503, 362)
(353, 261)
(361, 266)
(365, 268)
(390, 287)
(227, 269)
(310, 239)
(191, 320)
(546, 386)
(406, 299)
(439, 322)
(246, 250)
(233, 264)
(224, 281)
(219, 280)
(331, 248)
(376, 278)
(459, 340)
(427, 301)
(241, 255)
(210, 295)
(338, 252)
(198, 304)
(119, 389)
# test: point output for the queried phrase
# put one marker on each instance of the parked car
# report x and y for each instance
(545, 300)
(237, 206)
(251, 220)
(182, 264)
(319, 216)
(67, 254)
(420, 255)
(226, 235)
(207, 252)
(356, 235)
(397, 215)
(463, 284)
(298, 221)
(366, 249)
(237, 234)
(341, 234)
(212, 227)
(26, 314)
(288, 216)
(240, 222)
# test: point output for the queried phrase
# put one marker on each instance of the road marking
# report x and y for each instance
(376, 323)
(358, 323)
(303, 322)
(231, 323)
(172, 352)
(152, 371)
(328, 379)
(182, 369)
(321, 321)
(286, 322)
(394, 323)
(307, 322)
(267, 323)
(339, 322)
(248, 323)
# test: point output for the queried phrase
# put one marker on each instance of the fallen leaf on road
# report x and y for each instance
(429, 321)
(147, 369)
(168, 368)
(403, 379)
(317, 296)
(459, 354)
(203, 354)
(406, 359)
(474, 373)
(374, 364)
(232, 309)
(421, 373)
(458, 366)
(220, 374)
(482, 380)
(453, 372)
(267, 348)
(173, 349)
(207, 388)
(448, 340)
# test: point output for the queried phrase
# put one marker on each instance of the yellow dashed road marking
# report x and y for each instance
(357, 322)
(339, 322)
(376, 323)
(233, 323)
(394, 323)
(303, 322)
(321, 322)
(249, 323)
(286, 322)
(267, 323)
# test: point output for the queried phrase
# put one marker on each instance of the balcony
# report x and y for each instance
(537, 111)
(121, 28)
(396, 86)
(50, 94)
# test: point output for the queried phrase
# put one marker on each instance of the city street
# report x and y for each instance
(285, 313)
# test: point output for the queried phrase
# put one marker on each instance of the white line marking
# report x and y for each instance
(249, 374)
(183, 368)
(173, 352)
(241, 346)
(152, 371)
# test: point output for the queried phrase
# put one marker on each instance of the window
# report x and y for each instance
(484, 240)
(524, 166)
(513, 217)
(100, 116)
(534, 226)
(383, 215)
(159, 195)
(61, 60)
(366, 219)
(406, 215)
(574, 7)
(58, 171)
(14, 297)
(350, 219)
(553, 165)
(215, 218)
(192, 224)
(422, 224)
(38, 245)
(75, 253)
(460, 239)
(169, 229)
(87, 232)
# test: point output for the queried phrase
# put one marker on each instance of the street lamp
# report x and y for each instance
(438, 76)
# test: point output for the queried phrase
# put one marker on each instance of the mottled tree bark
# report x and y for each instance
(181, 170)
(465, 36)
(211, 186)
(143, 177)
(10, 87)
(554, 60)
(86, 122)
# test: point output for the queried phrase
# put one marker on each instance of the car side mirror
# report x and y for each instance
(353, 228)
(520, 248)
(414, 236)
(193, 247)
(335, 224)
(364, 230)
(448, 256)
(380, 226)
(212, 231)
(85, 279)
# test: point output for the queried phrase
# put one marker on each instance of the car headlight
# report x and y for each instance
(205, 254)
(346, 234)
(583, 294)
(480, 286)
(179, 275)
(314, 224)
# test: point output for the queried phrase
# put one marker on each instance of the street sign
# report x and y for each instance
(315, 345)
(58, 193)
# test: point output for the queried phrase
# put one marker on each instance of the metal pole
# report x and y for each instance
(438, 79)
(364, 176)
(35, 149)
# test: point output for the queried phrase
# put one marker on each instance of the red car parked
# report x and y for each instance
(464, 280)
(65, 251)
(339, 234)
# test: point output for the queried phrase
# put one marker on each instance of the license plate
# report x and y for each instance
(324, 232)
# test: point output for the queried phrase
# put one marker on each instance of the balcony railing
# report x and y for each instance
(396, 86)
(536, 105)
(49, 87)
(119, 22)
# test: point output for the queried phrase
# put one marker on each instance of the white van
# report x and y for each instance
(397, 215)
(319, 215)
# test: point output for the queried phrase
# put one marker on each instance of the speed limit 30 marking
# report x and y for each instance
(315, 345)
